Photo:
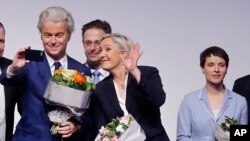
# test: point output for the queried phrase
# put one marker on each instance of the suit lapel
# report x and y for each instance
(44, 70)
(111, 95)
(225, 104)
(129, 95)
(4, 63)
(70, 63)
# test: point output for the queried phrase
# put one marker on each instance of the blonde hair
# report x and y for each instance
(124, 42)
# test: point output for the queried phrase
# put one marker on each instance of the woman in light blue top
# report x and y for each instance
(202, 109)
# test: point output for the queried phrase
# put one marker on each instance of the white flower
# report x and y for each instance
(222, 130)
(89, 79)
(68, 74)
(114, 130)
(119, 128)
(59, 116)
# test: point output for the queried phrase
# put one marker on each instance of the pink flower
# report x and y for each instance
(125, 120)
(106, 139)
(115, 138)
(101, 131)
(104, 131)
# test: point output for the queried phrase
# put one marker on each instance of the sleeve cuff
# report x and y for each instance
(8, 73)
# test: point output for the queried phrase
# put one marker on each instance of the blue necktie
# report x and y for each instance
(96, 75)
(57, 65)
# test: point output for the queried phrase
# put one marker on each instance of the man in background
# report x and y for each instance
(9, 96)
(92, 34)
(242, 87)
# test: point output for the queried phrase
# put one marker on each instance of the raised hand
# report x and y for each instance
(130, 62)
(19, 60)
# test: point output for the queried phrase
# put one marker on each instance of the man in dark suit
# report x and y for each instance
(55, 25)
(242, 87)
(10, 95)
(92, 34)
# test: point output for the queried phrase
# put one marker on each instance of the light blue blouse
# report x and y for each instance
(196, 120)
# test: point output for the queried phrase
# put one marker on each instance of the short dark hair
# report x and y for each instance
(213, 50)
(1, 25)
(99, 24)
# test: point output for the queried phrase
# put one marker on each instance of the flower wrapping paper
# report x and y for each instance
(133, 133)
(76, 101)
(220, 134)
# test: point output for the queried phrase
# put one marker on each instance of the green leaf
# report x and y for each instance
(229, 121)
(88, 87)
(68, 84)
(93, 86)
(57, 78)
(53, 129)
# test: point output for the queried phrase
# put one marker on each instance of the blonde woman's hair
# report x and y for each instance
(124, 42)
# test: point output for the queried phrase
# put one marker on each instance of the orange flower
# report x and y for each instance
(58, 72)
(79, 78)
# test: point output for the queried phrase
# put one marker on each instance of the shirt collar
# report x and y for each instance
(102, 71)
(203, 93)
(51, 61)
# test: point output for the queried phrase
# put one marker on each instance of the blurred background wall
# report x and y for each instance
(172, 33)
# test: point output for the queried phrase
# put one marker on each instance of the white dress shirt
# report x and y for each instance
(122, 102)
(51, 61)
(102, 71)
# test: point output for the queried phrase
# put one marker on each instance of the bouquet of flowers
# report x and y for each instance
(222, 130)
(69, 91)
(121, 129)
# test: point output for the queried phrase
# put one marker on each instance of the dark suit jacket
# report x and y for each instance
(34, 124)
(143, 101)
(242, 87)
(12, 97)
